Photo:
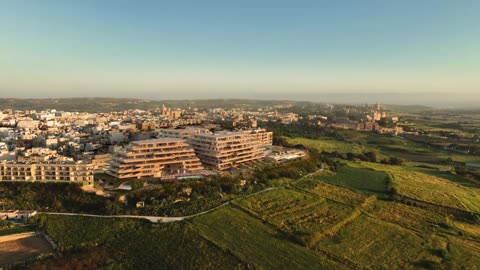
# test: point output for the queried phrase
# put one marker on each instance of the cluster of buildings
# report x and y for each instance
(240, 118)
(183, 151)
(53, 145)
(47, 171)
(367, 118)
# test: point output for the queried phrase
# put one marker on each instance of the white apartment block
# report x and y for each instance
(58, 171)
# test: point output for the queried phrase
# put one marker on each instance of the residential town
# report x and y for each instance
(51, 145)
(72, 146)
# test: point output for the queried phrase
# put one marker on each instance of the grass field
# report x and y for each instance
(384, 145)
(430, 188)
(140, 245)
(372, 243)
(329, 145)
(252, 241)
(462, 254)
(409, 217)
(360, 179)
(331, 192)
(295, 211)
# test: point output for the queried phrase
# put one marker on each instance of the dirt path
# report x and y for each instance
(18, 248)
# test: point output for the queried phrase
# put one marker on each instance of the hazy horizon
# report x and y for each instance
(440, 100)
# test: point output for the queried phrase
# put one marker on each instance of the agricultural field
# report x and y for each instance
(295, 211)
(430, 188)
(329, 145)
(373, 243)
(137, 244)
(385, 146)
(414, 218)
(331, 192)
(261, 245)
(360, 179)
(471, 230)
(462, 254)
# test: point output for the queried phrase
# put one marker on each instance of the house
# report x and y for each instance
(17, 214)
(25, 214)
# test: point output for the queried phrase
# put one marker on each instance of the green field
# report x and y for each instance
(430, 188)
(135, 244)
(331, 192)
(329, 145)
(261, 245)
(294, 211)
(372, 243)
(385, 146)
(408, 216)
(364, 180)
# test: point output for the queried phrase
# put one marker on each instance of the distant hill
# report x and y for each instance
(77, 104)
(408, 108)
(106, 104)
(103, 104)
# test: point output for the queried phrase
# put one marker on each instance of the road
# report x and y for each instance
(160, 219)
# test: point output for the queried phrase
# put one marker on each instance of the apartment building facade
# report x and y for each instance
(224, 150)
(262, 135)
(49, 171)
(154, 158)
(184, 133)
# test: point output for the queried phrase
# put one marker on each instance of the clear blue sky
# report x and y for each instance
(179, 49)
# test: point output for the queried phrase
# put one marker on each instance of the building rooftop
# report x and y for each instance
(183, 129)
(220, 134)
(159, 140)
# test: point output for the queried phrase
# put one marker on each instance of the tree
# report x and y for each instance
(372, 156)
(395, 161)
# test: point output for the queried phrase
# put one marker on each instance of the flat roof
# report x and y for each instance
(221, 134)
(183, 129)
(159, 140)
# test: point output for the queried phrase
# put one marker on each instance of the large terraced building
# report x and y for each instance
(154, 158)
(224, 150)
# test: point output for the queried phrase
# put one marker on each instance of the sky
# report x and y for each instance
(245, 49)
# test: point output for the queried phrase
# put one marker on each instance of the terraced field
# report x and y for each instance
(294, 211)
(462, 254)
(331, 192)
(430, 188)
(409, 217)
(375, 244)
(259, 244)
(364, 180)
